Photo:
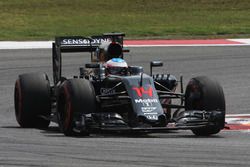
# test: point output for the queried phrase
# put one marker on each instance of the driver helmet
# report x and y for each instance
(116, 66)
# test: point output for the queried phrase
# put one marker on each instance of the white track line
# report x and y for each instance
(48, 44)
(238, 115)
(240, 120)
(245, 41)
(188, 45)
(26, 45)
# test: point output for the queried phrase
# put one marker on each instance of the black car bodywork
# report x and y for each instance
(93, 101)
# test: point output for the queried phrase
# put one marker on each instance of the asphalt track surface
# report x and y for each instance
(33, 147)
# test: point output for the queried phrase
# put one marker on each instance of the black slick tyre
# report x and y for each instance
(203, 93)
(32, 100)
(76, 98)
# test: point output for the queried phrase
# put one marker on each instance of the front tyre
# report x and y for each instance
(32, 100)
(203, 93)
(76, 98)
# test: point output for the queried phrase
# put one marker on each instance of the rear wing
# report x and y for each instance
(78, 44)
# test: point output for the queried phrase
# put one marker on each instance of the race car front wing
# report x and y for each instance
(113, 122)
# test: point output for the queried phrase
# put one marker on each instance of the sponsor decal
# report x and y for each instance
(147, 104)
(150, 113)
(148, 109)
(152, 117)
(140, 91)
(146, 101)
(74, 41)
(84, 41)
(106, 91)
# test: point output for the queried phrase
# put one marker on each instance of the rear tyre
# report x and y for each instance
(206, 94)
(32, 100)
(76, 98)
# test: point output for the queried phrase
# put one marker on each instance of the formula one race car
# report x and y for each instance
(110, 96)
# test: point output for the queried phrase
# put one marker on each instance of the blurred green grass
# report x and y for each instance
(170, 19)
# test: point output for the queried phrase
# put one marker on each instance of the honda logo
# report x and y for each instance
(140, 91)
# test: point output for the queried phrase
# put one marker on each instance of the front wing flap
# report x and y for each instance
(113, 122)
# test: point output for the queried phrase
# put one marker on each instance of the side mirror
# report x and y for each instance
(92, 65)
(155, 64)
